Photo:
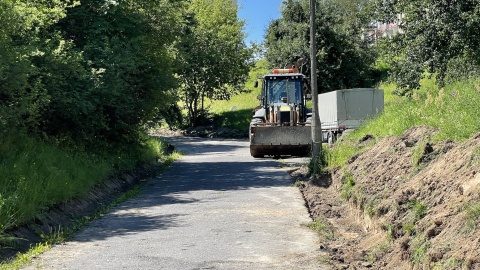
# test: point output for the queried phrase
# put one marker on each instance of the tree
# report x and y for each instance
(109, 70)
(437, 35)
(214, 61)
(344, 59)
(22, 96)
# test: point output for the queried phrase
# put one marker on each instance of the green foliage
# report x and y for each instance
(418, 210)
(123, 71)
(348, 187)
(318, 164)
(344, 58)
(36, 175)
(409, 228)
(390, 229)
(472, 215)
(452, 109)
(419, 248)
(450, 263)
(438, 36)
(419, 153)
(475, 157)
(322, 226)
(371, 206)
(341, 152)
(22, 260)
(214, 61)
(237, 111)
(377, 252)
(22, 95)
(88, 74)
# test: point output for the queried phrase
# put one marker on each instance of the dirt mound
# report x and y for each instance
(405, 203)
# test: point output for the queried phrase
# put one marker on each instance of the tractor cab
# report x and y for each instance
(281, 124)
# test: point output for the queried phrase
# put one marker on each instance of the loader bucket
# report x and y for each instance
(280, 140)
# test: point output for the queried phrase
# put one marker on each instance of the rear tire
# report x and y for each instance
(254, 121)
(308, 121)
(331, 138)
(255, 154)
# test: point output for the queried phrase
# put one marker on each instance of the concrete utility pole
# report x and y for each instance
(316, 125)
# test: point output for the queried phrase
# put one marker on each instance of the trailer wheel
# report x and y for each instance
(330, 138)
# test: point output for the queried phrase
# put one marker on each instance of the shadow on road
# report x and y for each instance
(210, 165)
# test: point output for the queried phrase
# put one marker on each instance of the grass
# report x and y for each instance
(452, 109)
(449, 263)
(472, 217)
(63, 234)
(23, 260)
(348, 186)
(390, 230)
(417, 210)
(58, 235)
(419, 154)
(237, 112)
(36, 175)
(322, 226)
(377, 252)
(475, 157)
(318, 164)
(371, 206)
(419, 247)
(409, 228)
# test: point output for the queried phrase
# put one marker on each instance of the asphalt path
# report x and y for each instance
(215, 208)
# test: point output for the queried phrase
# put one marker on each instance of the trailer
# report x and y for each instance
(342, 111)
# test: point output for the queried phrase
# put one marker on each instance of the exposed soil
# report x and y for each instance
(404, 203)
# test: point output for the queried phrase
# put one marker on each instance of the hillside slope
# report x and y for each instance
(406, 202)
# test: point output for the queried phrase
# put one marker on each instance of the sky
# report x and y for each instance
(257, 14)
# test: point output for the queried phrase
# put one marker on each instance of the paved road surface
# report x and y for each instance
(215, 208)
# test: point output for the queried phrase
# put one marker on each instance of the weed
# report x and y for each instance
(420, 154)
(472, 213)
(418, 210)
(409, 228)
(283, 163)
(371, 206)
(419, 247)
(390, 229)
(450, 263)
(322, 226)
(298, 183)
(359, 198)
(348, 186)
(457, 118)
(341, 152)
(377, 252)
(54, 237)
(7, 241)
(324, 259)
(475, 157)
(317, 165)
(23, 260)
